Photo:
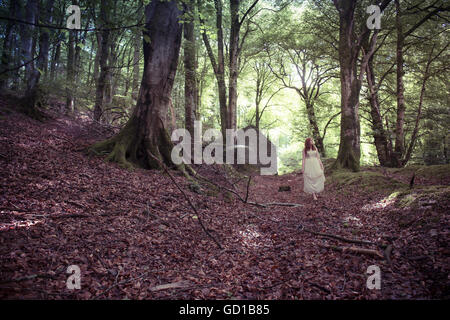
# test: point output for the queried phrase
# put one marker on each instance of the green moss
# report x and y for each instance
(422, 196)
(370, 181)
(427, 172)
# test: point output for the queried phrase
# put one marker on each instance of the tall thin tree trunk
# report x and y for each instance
(382, 145)
(31, 11)
(55, 61)
(136, 58)
(70, 75)
(234, 53)
(401, 106)
(103, 61)
(190, 82)
(44, 44)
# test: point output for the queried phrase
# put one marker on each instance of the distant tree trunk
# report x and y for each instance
(32, 98)
(190, 82)
(401, 107)
(234, 68)
(382, 145)
(70, 75)
(145, 134)
(98, 53)
(318, 140)
(136, 58)
(31, 11)
(103, 62)
(55, 60)
(219, 65)
(7, 54)
(44, 44)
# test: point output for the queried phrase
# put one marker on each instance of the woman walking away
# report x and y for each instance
(312, 169)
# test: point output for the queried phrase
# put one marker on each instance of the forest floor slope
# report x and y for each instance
(132, 231)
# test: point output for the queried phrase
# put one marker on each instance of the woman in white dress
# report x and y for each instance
(312, 169)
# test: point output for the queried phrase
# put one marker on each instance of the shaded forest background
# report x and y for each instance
(276, 65)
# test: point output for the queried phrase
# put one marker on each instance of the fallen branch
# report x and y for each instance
(245, 200)
(187, 199)
(327, 235)
(354, 250)
(283, 204)
(34, 276)
(387, 254)
(173, 285)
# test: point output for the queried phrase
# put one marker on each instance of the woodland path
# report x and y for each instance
(134, 236)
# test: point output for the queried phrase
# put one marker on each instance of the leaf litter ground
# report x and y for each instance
(134, 236)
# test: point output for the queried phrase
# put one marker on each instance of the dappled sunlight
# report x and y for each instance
(351, 220)
(251, 238)
(384, 203)
(5, 226)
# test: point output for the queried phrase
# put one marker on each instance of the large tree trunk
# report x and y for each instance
(145, 135)
(349, 147)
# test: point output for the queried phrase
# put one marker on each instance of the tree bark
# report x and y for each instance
(103, 61)
(382, 145)
(44, 45)
(70, 75)
(31, 11)
(190, 82)
(136, 57)
(401, 107)
(233, 55)
(349, 147)
(145, 136)
(7, 54)
(219, 65)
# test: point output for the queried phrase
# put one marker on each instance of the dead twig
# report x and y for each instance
(371, 252)
(187, 199)
(327, 235)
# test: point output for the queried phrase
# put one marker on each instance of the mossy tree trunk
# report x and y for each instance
(349, 147)
(145, 135)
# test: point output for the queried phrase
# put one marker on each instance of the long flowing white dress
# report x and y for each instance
(313, 177)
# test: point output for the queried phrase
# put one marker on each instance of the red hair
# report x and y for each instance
(309, 145)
